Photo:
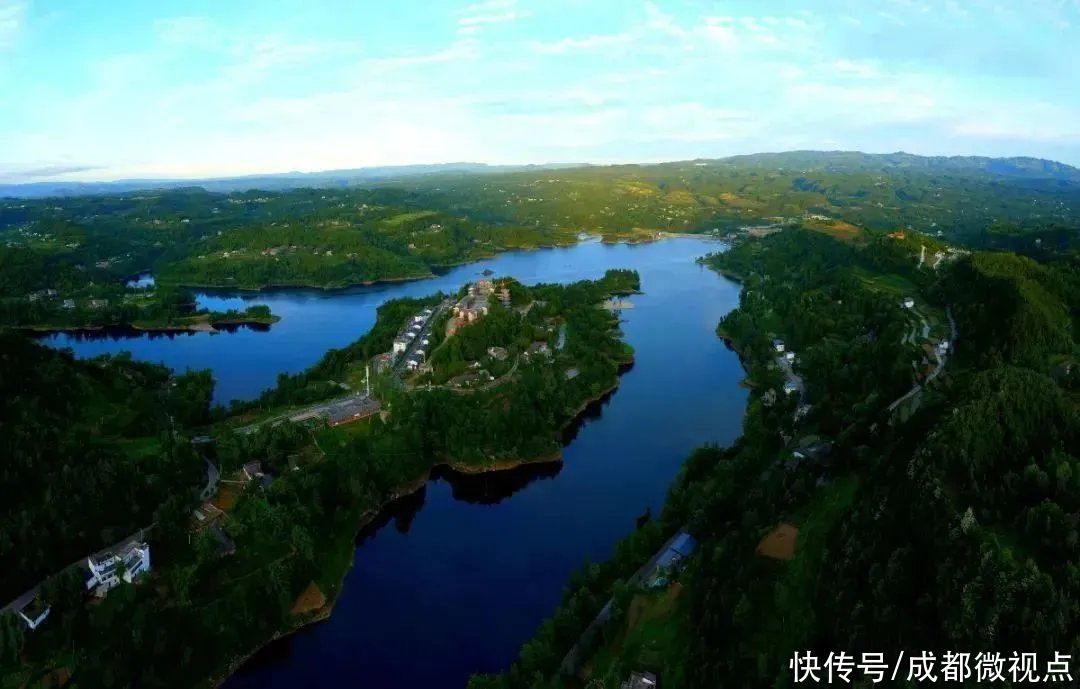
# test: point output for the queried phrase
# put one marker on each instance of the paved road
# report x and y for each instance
(339, 407)
(942, 358)
(346, 405)
(212, 477)
(571, 663)
(425, 332)
(21, 602)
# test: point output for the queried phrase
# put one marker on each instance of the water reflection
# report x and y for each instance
(493, 487)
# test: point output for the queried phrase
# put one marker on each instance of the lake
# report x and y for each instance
(456, 577)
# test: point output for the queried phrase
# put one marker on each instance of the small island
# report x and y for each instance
(96, 308)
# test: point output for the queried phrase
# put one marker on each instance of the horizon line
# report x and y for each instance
(226, 177)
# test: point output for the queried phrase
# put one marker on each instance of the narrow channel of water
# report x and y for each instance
(458, 576)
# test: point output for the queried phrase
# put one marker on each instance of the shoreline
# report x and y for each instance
(435, 272)
(367, 517)
(141, 328)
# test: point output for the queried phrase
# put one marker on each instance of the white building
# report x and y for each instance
(778, 345)
(908, 302)
(400, 345)
(107, 571)
(34, 613)
(790, 356)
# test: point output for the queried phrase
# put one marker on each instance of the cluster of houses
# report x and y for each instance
(786, 359)
(42, 295)
(411, 337)
(473, 306)
(105, 571)
(101, 573)
(207, 517)
(537, 349)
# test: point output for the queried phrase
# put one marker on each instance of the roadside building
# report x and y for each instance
(538, 349)
(778, 345)
(98, 303)
(382, 362)
(908, 303)
(205, 514)
(106, 571)
(789, 356)
(69, 304)
(498, 353)
(225, 545)
(252, 470)
(34, 613)
(400, 345)
(790, 386)
(640, 680)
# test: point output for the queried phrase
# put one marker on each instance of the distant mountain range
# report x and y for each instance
(266, 182)
(853, 161)
(1016, 168)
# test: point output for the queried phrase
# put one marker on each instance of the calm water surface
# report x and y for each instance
(455, 578)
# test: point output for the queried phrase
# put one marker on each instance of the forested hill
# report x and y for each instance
(88, 454)
(61, 259)
(854, 516)
(854, 161)
(972, 200)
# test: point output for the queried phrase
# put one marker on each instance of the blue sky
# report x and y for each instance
(128, 88)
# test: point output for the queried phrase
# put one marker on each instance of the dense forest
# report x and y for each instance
(89, 452)
(951, 528)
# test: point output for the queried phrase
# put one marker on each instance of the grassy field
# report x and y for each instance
(652, 632)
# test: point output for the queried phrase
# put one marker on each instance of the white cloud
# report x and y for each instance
(1052, 124)
(482, 14)
(464, 49)
(12, 20)
(877, 104)
(582, 43)
(188, 31)
(855, 68)
(698, 122)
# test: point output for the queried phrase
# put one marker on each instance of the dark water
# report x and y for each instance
(459, 575)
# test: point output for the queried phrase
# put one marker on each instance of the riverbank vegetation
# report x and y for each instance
(947, 527)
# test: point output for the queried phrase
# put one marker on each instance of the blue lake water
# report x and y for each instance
(457, 577)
